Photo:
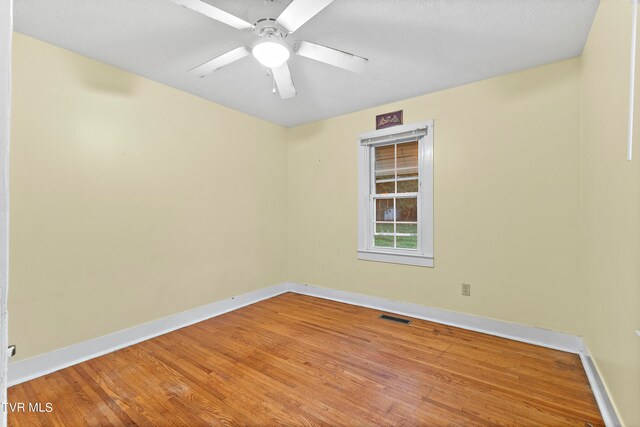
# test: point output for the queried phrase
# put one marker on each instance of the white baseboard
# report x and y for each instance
(529, 334)
(34, 367)
(599, 391)
(27, 369)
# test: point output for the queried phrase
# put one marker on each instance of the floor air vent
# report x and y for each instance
(395, 319)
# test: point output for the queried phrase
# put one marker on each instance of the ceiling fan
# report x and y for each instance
(270, 49)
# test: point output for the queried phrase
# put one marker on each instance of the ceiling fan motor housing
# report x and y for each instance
(269, 28)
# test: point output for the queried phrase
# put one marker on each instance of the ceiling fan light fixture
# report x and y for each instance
(271, 54)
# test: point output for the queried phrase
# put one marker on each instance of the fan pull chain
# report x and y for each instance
(273, 79)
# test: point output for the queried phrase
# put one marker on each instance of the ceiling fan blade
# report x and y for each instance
(220, 61)
(300, 11)
(334, 57)
(283, 79)
(215, 13)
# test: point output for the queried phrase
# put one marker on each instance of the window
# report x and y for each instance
(396, 195)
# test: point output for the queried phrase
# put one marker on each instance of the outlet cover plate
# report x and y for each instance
(466, 289)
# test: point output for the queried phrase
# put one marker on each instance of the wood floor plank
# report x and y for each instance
(300, 360)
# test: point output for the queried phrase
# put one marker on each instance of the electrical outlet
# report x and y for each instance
(466, 289)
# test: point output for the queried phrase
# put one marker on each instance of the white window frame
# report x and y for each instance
(423, 133)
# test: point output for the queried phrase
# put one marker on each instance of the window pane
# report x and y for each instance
(410, 186)
(397, 166)
(385, 187)
(410, 242)
(407, 209)
(384, 209)
(407, 228)
(382, 227)
(407, 159)
(408, 173)
(408, 154)
(386, 174)
(383, 241)
(385, 161)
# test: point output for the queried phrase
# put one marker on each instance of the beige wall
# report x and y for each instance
(130, 200)
(506, 201)
(610, 214)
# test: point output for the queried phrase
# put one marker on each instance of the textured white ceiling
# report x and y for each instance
(414, 46)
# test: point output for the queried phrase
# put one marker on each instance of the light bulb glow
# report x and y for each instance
(270, 54)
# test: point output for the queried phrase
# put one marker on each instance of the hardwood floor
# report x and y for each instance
(299, 360)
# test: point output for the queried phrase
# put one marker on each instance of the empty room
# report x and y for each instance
(319, 212)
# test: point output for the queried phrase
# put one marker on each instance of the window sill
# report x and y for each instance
(396, 258)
